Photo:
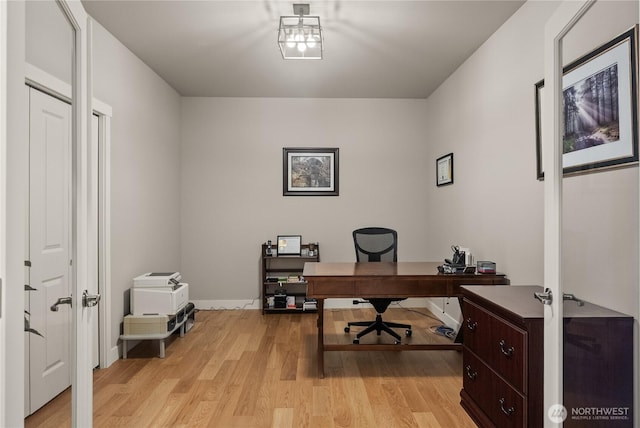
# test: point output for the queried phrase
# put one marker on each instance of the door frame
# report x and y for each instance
(3, 157)
(12, 209)
(13, 206)
(55, 87)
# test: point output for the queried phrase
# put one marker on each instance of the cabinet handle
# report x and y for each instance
(471, 375)
(509, 411)
(471, 325)
(507, 352)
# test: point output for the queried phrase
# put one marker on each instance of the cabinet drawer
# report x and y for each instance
(502, 345)
(505, 406)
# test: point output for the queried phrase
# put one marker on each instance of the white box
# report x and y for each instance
(157, 279)
(148, 324)
(162, 300)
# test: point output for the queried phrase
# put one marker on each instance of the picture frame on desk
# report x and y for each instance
(600, 98)
(310, 171)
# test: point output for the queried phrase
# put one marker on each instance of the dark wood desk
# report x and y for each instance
(383, 279)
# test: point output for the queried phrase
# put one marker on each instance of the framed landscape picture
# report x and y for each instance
(310, 171)
(600, 109)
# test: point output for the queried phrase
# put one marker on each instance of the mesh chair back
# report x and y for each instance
(376, 244)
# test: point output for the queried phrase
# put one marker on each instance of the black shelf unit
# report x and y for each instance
(283, 275)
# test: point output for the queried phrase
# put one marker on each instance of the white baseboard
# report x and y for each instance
(212, 305)
(446, 319)
(113, 356)
(216, 305)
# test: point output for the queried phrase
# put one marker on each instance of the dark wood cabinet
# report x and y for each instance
(283, 288)
(503, 360)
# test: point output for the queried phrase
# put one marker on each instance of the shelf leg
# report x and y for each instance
(320, 303)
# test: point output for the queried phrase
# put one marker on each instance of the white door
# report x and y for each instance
(92, 286)
(565, 17)
(49, 246)
(17, 163)
(84, 242)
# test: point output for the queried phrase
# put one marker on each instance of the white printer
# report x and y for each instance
(157, 279)
(158, 293)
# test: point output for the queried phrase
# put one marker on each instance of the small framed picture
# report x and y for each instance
(289, 245)
(310, 171)
(444, 170)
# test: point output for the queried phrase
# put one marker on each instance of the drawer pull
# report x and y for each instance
(507, 352)
(471, 325)
(471, 375)
(509, 411)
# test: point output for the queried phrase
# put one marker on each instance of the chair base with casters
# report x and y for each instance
(378, 325)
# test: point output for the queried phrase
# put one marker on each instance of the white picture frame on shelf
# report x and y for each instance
(289, 245)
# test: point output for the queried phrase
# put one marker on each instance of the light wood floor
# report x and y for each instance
(244, 369)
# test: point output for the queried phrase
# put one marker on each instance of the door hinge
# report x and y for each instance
(27, 263)
(71, 262)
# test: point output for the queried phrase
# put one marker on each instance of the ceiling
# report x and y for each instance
(373, 49)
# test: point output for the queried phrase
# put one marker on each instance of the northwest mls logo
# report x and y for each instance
(611, 414)
(557, 413)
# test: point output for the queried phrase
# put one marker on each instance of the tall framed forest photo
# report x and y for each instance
(599, 109)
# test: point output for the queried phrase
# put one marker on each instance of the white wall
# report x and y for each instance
(232, 183)
(145, 163)
(49, 39)
(484, 113)
(600, 218)
(226, 174)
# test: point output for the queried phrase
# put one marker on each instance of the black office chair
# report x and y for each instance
(377, 244)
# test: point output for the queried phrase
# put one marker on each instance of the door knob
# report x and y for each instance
(61, 301)
(89, 300)
(567, 296)
(545, 297)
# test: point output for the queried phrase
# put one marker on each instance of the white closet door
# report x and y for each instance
(49, 246)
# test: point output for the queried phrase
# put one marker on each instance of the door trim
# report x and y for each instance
(13, 209)
(3, 148)
(560, 23)
(55, 87)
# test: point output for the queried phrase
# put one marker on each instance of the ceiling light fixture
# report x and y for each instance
(300, 36)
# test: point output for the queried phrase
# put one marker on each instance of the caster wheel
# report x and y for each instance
(356, 341)
(396, 342)
(347, 329)
(408, 333)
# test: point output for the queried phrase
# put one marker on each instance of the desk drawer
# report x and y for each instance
(505, 406)
(499, 343)
(408, 287)
(331, 288)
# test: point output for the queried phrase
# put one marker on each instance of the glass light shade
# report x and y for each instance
(300, 37)
(290, 37)
(301, 43)
(311, 42)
